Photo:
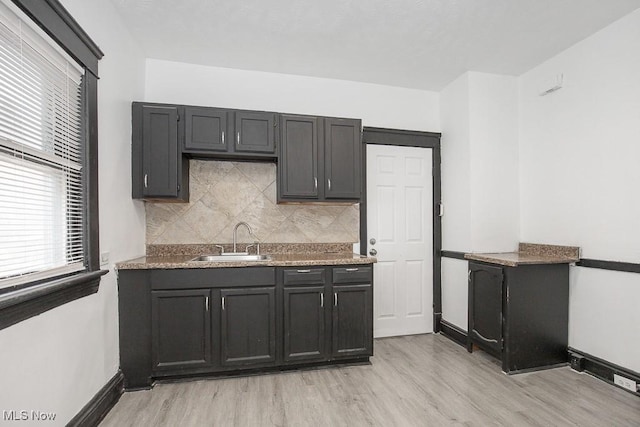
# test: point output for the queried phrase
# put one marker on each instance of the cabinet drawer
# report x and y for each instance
(352, 274)
(197, 278)
(304, 276)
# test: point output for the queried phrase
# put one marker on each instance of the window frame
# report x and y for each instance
(40, 296)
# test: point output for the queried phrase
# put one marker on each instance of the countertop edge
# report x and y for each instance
(133, 265)
(530, 260)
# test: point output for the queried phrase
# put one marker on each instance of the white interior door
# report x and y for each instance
(399, 211)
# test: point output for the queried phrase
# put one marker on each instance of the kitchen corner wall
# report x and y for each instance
(222, 193)
(480, 182)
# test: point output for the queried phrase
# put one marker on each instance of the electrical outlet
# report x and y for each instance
(625, 383)
(104, 258)
(577, 362)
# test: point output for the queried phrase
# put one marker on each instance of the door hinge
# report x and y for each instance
(440, 209)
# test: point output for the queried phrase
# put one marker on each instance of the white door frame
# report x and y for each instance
(406, 138)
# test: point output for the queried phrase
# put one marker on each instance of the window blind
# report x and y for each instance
(42, 215)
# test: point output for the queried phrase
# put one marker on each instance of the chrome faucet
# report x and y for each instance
(235, 234)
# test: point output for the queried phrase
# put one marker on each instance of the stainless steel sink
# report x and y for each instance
(231, 258)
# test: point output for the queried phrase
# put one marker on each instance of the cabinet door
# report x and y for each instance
(255, 132)
(342, 158)
(181, 329)
(298, 161)
(205, 129)
(159, 141)
(352, 321)
(485, 307)
(248, 326)
(304, 323)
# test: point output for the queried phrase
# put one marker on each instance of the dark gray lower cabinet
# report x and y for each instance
(205, 321)
(248, 326)
(304, 323)
(485, 307)
(352, 320)
(173, 313)
(519, 314)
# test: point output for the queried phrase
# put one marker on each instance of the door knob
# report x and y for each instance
(372, 241)
(373, 252)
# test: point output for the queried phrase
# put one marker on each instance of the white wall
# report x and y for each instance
(57, 361)
(456, 165)
(376, 105)
(579, 151)
(479, 177)
(493, 132)
(456, 197)
(454, 288)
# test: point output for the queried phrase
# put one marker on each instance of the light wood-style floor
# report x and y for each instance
(421, 380)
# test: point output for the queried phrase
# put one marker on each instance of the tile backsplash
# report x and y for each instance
(224, 193)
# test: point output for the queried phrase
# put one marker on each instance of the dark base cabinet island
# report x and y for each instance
(519, 306)
(180, 318)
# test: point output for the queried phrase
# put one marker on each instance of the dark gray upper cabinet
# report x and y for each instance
(342, 157)
(320, 159)
(298, 162)
(223, 133)
(158, 169)
(232, 134)
(205, 129)
(173, 313)
(255, 132)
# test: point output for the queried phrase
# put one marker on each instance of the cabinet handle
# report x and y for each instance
(222, 137)
(223, 303)
(207, 303)
(469, 276)
(351, 269)
(321, 299)
(484, 338)
(335, 299)
(329, 182)
(315, 182)
(146, 180)
(238, 138)
(303, 271)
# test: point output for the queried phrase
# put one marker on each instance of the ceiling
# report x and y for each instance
(421, 44)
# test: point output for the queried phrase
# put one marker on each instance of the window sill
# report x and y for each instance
(26, 303)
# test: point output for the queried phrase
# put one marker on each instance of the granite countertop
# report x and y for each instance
(528, 254)
(277, 260)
